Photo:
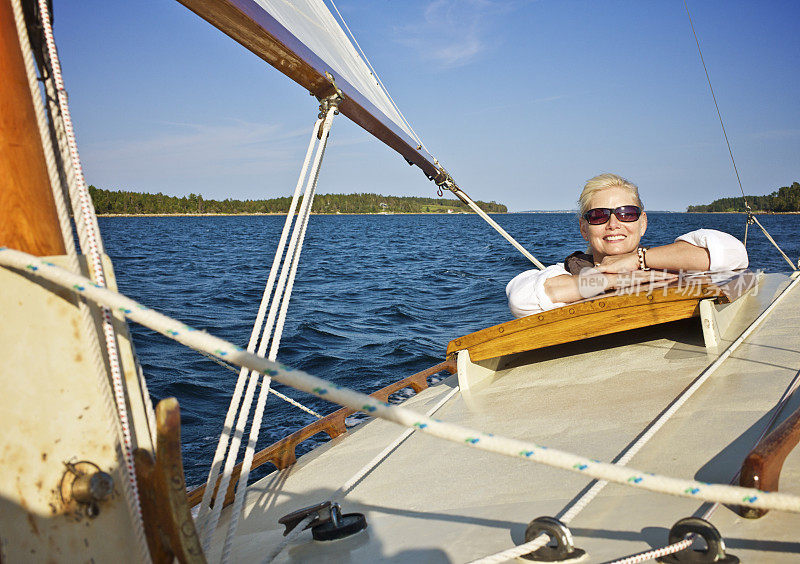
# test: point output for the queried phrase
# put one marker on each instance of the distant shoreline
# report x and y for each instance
(390, 213)
(279, 213)
(754, 212)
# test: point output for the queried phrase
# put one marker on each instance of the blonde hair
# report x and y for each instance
(601, 182)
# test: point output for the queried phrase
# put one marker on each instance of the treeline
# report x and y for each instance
(124, 202)
(785, 199)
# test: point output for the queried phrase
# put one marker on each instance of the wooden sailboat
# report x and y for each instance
(79, 482)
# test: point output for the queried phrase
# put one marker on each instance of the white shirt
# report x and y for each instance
(526, 294)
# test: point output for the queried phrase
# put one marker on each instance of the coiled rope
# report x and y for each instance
(329, 391)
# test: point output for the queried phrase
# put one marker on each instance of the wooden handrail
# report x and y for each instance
(762, 467)
(282, 453)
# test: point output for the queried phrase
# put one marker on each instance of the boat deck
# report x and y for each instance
(436, 501)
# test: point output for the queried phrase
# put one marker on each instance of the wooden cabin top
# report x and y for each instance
(603, 315)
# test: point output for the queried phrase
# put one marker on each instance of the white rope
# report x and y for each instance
(255, 427)
(118, 419)
(656, 553)
(687, 542)
(92, 247)
(467, 200)
(631, 451)
(293, 534)
(748, 497)
(348, 486)
(302, 221)
(47, 143)
(241, 486)
(771, 240)
(255, 334)
(273, 391)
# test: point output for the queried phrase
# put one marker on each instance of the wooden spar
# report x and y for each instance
(248, 23)
(28, 218)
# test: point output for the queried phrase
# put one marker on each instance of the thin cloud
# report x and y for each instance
(196, 150)
(453, 33)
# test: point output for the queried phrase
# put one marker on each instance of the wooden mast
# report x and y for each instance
(28, 219)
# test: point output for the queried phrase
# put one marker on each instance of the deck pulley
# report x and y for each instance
(563, 551)
(715, 546)
(328, 522)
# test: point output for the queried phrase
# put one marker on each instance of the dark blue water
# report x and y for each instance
(376, 297)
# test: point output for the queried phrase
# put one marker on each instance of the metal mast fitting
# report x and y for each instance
(444, 180)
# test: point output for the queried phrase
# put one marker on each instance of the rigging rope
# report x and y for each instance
(210, 523)
(750, 215)
(294, 253)
(467, 200)
(687, 542)
(273, 391)
(61, 122)
(255, 335)
(771, 240)
(748, 497)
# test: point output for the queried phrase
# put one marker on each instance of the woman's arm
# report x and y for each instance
(590, 283)
(526, 292)
(675, 256)
(700, 250)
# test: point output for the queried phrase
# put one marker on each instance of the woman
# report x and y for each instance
(613, 222)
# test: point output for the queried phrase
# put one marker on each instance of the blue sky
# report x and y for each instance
(521, 101)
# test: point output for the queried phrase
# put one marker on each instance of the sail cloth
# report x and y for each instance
(312, 24)
(303, 40)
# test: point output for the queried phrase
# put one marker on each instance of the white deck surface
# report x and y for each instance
(436, 501)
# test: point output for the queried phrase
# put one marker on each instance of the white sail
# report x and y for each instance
(312, 24)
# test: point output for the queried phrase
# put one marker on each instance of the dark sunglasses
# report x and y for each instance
(599, 216)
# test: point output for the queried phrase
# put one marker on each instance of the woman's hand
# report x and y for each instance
(639, 280)
(612, 264)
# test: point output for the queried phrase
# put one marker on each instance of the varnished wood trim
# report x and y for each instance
(28, 219)
(762, 467)
(282, 453)
(168, 522)
(600, 316)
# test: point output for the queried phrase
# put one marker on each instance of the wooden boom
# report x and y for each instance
(249, 24)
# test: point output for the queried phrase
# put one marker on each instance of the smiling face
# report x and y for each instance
(614, 237)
